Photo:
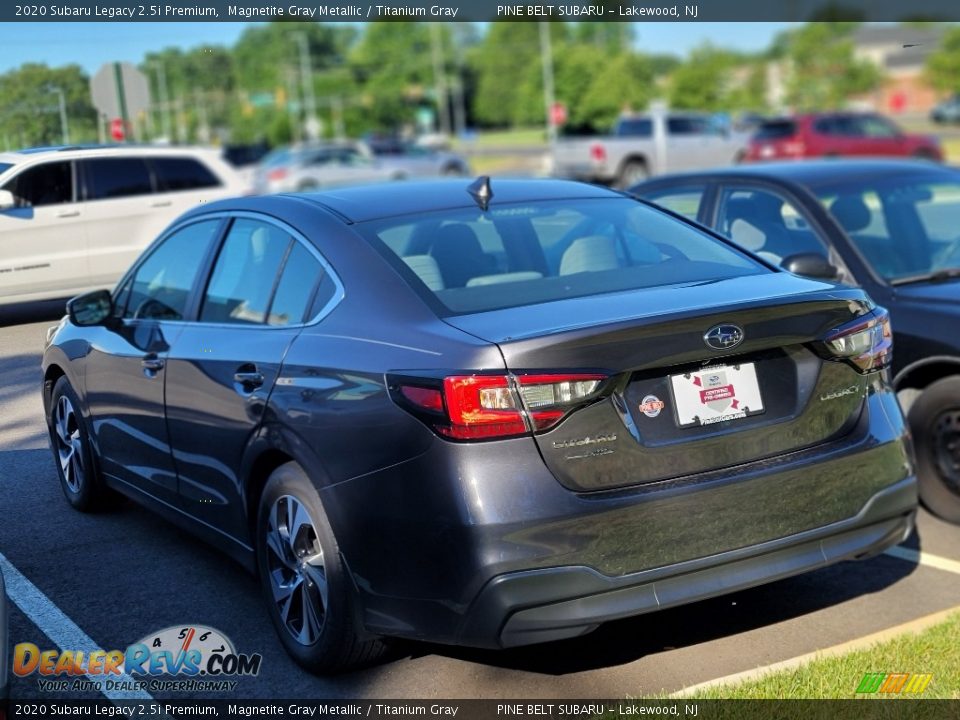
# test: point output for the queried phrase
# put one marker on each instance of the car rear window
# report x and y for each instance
(468, 261)
(776, 129)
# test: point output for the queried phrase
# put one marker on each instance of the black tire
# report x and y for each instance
(935, 423)
(924, 155)
(304, 576)
(73, 454)
(307, 186)
(453, 170)
(632, 172)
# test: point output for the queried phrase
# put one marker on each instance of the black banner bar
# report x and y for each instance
(480, 11)
(873, 708)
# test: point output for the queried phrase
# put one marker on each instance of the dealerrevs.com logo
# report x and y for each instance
(894, 683)
(201, 658)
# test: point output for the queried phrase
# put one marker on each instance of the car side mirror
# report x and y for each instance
(7, 200)
(92, 308)
(811, 265)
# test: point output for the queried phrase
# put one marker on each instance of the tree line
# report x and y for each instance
(383, 77)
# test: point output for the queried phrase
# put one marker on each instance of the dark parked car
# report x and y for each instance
(489, 416)
(835, 135)
(891, 227)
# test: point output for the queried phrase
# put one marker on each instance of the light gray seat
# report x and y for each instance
(504, 278)
(426, 269)
(589, 254)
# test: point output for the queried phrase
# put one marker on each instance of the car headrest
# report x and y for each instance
(851, 212)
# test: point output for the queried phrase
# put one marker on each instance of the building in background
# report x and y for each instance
(905, 90)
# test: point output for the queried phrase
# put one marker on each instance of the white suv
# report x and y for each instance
(74, 219)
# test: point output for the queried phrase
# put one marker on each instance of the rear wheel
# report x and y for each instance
(308, 593)
(935, 423)
(70, 442)
(923, 154)
(632, 172)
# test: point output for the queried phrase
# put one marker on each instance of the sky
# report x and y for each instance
(92, 44)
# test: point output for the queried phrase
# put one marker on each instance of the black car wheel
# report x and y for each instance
(71, 449)
(935, 423)
(307, 590)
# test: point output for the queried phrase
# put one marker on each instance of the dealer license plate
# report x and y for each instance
(716, 394)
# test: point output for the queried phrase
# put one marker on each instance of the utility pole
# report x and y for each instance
(546, 56)
(164, 99)
(64, 127)
(311, 124)
(439, 78)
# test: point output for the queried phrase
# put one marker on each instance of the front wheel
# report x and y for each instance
(72, 452)
(308, 593)
(935, 423)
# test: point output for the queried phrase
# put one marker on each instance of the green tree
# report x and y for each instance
(824, 72)
(30, 112)
(703, 81)
(508, 66)
(626, 83)
(943, 65)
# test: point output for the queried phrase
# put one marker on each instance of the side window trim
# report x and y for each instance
(193, 308)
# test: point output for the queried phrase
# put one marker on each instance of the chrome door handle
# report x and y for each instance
(162, 203)
(68, 214)
(152, 363)
(251, 380)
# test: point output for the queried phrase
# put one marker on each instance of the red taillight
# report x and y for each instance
(866, 343)
(478, 407)
(278, 174)
(598, 153)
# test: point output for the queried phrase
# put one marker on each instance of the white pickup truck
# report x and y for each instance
(648, 144)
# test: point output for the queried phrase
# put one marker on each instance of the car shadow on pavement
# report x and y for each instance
(625, 641)
(23, 313)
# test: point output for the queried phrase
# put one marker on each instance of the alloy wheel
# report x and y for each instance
(69, 444)
(946, 433)
(295, 567)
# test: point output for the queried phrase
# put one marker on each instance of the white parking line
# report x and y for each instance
(912, 627)
(923, 558)
(58, 627)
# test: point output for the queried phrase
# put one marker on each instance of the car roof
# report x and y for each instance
(813, 172)
(376, 201)
(16, 157)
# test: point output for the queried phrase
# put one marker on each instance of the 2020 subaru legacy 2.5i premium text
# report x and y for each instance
(482, 414)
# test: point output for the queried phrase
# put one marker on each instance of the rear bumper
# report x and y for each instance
(479, 544)
(556, 603)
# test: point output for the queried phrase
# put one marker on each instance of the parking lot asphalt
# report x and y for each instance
(123, 575)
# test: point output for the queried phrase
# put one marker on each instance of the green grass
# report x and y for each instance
(515, 137)
(936, 650)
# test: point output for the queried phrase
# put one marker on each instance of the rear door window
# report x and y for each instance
(110, 178)
(245, 273)
(174, 174)
(47, 184)
(688, 126)
(776, 129)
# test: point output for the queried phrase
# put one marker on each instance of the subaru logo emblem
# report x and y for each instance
(723, 337)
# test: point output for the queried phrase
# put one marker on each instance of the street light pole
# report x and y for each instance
(439, 79)
(306, 78)
(64, 127)
(546, 56)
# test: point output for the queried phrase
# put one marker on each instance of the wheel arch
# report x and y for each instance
(918, 375)
(272, 447)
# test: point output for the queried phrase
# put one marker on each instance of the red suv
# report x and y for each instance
(835, 134)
